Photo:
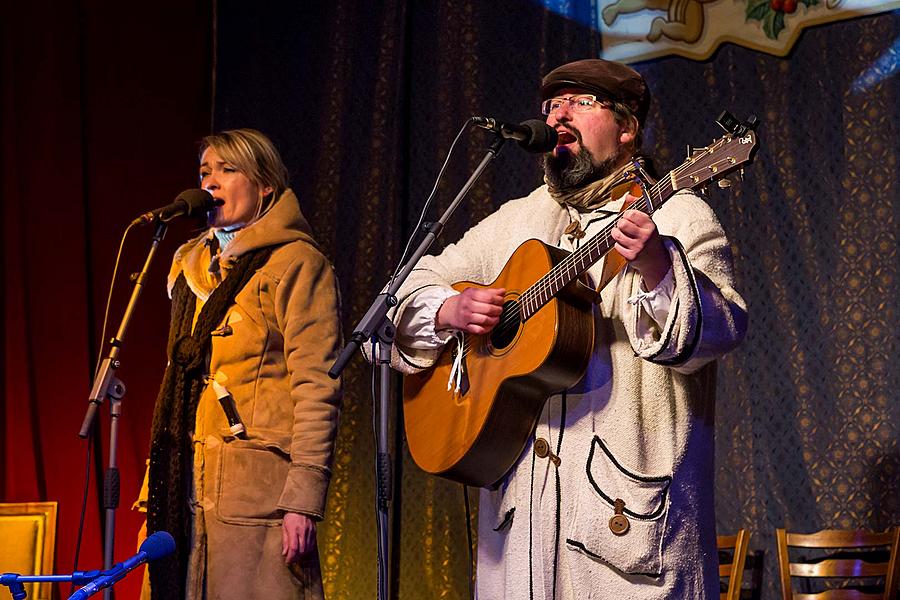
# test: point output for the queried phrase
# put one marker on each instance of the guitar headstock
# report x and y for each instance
(726, 154)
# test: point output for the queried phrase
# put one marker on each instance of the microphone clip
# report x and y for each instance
(533, 135)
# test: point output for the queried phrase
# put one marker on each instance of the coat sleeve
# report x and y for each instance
(479, 256)
(307, 309)
(707, 317)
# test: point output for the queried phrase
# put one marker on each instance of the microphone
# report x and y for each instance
(156, 546)
(533, 135)
(189, 203)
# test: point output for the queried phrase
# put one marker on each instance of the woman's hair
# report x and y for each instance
(252, 153)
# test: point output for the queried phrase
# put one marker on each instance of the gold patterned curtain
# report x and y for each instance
(808, 413)
(811, 441)
(364, 103)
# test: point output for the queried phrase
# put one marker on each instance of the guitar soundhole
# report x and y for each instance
(505, 332)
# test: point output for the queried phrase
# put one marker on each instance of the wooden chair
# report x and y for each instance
(733, 571)
(28, 544)
(856, 557)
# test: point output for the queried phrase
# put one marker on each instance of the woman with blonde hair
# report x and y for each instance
(244, 425)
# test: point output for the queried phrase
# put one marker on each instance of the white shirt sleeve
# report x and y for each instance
(656, 302)
(415, 328)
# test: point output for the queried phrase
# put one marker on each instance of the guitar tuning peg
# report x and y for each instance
(724, 184)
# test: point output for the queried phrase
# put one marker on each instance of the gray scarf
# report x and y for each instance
(597, 193)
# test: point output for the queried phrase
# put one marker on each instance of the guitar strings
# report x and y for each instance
(532, 299)
(545, 283)
(512, 313)
(603, 237)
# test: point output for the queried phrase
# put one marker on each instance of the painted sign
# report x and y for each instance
(635, 30)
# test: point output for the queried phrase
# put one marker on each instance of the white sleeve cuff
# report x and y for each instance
(656, 302)
(415, 328)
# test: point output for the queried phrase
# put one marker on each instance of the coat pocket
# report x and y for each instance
(638, 549)
(248, 479)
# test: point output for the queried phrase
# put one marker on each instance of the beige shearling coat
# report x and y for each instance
(272, 353)
(637, 427)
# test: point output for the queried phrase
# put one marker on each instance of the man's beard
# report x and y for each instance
(565, 171)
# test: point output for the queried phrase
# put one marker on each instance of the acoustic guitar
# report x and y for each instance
(474, 431)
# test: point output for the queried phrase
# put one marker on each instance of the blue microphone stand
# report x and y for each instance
(15, 582)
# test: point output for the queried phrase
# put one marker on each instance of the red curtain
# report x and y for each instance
(102, 104)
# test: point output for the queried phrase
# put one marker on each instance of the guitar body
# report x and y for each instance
(475, 435)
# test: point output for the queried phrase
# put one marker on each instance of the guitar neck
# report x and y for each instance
(724, 155)
(576, 264)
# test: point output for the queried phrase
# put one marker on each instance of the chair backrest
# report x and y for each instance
(856, 557)
(28, 544)
(733, 571)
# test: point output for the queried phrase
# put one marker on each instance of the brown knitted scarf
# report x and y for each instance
(171, 447)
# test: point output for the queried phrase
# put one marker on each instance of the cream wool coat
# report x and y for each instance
(638, 426)
(272, 353)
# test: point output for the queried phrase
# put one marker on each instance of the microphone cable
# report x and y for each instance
(91, 439)
(84, 497)
(468, 515)
(112, 284)
(374, 377)
(471, 548)
(412, 236)
(428, 201)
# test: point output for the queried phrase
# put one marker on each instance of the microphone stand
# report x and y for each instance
(106, 384)
(375, 326)
(15, 582)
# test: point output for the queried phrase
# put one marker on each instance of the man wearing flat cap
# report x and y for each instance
(613, 495)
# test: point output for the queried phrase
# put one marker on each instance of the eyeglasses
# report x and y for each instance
(579, 103)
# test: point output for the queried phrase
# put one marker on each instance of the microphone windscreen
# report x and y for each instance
(198, 201)
(543, 137)
(158, 544)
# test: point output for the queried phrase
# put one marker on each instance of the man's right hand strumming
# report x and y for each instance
(474, 310)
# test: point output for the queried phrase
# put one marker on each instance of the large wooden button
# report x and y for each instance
(619, 525)
(542, 450)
